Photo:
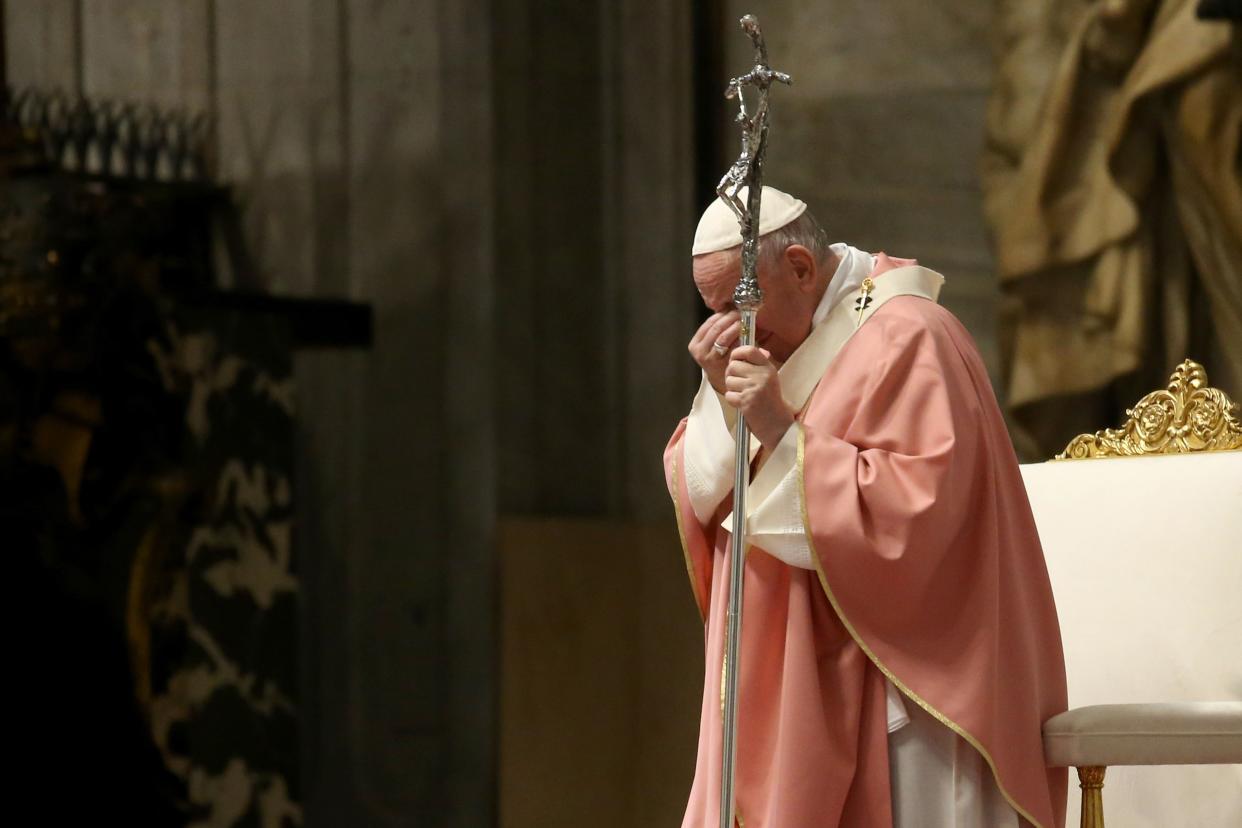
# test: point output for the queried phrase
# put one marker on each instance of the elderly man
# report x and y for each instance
(900, 648)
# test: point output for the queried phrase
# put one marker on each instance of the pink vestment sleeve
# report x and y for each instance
(696, 539)
(925, 545)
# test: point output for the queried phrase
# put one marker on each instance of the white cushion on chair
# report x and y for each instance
(1186, 733)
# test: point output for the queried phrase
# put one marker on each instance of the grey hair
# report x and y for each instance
(805, 231)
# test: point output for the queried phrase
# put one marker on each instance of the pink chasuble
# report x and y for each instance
(928, 572)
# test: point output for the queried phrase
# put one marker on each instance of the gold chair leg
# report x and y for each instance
(1091, 780)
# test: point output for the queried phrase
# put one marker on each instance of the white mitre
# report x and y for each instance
(718, 228)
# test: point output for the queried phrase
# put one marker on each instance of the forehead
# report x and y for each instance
(716, 275)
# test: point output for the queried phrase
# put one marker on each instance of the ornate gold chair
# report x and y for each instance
(1145, 557)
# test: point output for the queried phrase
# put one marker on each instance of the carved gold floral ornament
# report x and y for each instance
(1187, 416)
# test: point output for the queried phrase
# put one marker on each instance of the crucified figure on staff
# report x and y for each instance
(754, 127)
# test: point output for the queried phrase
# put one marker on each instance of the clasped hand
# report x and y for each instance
(753, 387)
(745, 375)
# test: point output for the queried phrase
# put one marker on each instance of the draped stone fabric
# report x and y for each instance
(1113, 192)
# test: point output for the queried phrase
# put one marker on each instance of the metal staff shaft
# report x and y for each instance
(747, 172)
(747, 298)
(737, 571)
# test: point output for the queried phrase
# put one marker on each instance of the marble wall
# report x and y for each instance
(594, 220)
(882, 130)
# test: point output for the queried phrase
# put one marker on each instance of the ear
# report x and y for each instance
(801, 263)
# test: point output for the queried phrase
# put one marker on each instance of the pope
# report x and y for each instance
(900, 647)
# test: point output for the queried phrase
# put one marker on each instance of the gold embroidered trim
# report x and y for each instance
(898, 683)
(681, 532)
